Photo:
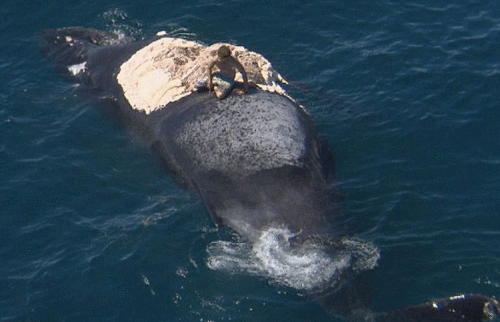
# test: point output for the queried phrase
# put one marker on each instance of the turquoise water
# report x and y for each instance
(407, 94)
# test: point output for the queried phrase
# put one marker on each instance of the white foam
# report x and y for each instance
(119, 23)
(308, 266)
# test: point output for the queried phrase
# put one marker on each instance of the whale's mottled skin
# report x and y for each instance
(256, 160)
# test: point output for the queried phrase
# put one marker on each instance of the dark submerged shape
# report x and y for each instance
(256, 161)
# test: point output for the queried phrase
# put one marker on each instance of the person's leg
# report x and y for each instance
(222, 86)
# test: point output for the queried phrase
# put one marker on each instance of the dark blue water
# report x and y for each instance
(407, 93)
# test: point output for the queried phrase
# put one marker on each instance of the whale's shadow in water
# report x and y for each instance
(257, 161)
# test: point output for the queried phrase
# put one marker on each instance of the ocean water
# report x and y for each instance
(407, 94)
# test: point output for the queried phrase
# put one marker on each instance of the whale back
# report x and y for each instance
(256, 160)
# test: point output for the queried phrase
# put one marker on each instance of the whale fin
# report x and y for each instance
(463, 308)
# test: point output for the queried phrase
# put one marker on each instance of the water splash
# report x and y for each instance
(118, 22)
(312, 265)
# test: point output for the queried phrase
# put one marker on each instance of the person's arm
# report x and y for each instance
(243, 74)
(209, 74)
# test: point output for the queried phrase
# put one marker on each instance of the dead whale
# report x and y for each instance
(257, 161)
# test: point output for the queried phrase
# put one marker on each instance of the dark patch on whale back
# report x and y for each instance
(240, 135)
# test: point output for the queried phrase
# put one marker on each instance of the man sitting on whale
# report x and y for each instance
(224, 78)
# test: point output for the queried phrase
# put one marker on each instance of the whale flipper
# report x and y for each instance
(463, 308)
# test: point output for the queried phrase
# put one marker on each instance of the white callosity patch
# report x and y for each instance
(170, 68)
(77, 69)
(310, 266)
(232, 139)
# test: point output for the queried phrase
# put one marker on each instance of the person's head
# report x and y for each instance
(223, 52)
